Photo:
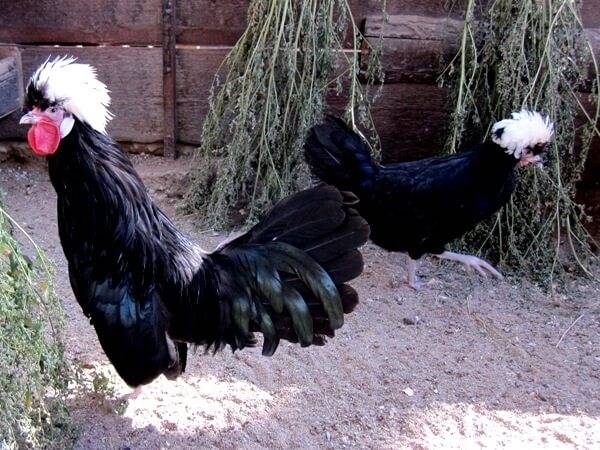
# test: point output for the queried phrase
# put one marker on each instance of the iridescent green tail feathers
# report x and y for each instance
(286, 278)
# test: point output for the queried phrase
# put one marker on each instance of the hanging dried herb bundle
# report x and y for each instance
(33, 372)
(277, 76)
(530, 54)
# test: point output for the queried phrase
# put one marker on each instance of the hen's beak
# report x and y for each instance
(531, 159)
(29, 119)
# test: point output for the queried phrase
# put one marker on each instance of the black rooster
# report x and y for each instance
(146, 287)
(419, 207)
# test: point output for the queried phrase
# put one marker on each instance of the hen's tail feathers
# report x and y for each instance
(338, 156)
(286, 277)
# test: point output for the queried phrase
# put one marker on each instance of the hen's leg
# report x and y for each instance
(473, 262)
(411, 269)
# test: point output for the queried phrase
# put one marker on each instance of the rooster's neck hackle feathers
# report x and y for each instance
(75, 88)
(523, 130)
(91, 171)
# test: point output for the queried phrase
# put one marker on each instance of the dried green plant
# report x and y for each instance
(530, 54)
(273, 90)
(33, 371)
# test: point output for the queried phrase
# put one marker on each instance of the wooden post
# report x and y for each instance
(169, 78)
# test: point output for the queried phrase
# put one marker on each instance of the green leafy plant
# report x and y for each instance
(273, 90)
(530, 54)
(33, 371)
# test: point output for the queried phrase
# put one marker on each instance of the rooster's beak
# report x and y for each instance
(29, 119)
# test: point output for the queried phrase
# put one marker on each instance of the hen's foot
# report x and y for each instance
(472, 262)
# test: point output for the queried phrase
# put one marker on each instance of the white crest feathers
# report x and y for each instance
(525, 129)
(76, 88)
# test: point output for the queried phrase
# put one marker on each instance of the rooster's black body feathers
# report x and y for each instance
(149, 290)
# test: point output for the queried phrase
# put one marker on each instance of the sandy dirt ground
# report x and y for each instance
(466, 363)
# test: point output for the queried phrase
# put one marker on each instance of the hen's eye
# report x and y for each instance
(53, 109)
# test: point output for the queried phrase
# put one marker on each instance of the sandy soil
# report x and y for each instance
(467, 362)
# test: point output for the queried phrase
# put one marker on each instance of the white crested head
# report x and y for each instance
(523, 132)
(75, 88)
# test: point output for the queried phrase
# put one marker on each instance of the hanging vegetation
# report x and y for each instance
(33, 373)
(273, 90)
(530, 54)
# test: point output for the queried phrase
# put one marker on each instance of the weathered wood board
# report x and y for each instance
(211, 22)
(134, 22)
(411, 119)
(80, 22)
(11, 84)
(10, 87)
(200, 22)
(590, 9)
(407, 115)
(196, 69)
(435, 8)
(134, 77)
(137, 22)
(590, 13)
(417, 49)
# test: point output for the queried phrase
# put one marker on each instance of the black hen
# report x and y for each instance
(418, 207)
(146, 287)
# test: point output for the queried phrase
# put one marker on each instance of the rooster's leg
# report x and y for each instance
(473, 262)
(411, 268)
(134, 394)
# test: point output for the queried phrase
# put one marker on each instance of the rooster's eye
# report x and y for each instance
(53, 109)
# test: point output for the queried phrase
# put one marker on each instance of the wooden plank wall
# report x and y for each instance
(411, 115)
(137, 22)
(102, 27)
(200, 22)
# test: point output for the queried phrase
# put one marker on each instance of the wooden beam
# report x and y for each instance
(210, 22)
(169, 79)
(11, 80)
(137, 22)
(80, 22)
(590, 13)
(417, 49)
